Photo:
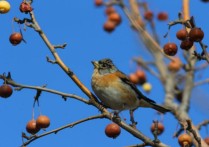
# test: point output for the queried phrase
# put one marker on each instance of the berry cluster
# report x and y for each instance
(113, 18)
(139, 77)
(187, 36)
(34, 126)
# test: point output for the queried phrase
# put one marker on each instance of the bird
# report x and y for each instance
(115, 90)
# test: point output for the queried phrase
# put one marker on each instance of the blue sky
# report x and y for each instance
(79, 24)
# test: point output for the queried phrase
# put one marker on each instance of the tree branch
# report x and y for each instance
(55, 131)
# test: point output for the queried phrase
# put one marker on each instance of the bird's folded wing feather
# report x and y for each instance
(127, 81)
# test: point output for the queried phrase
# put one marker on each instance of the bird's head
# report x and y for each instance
(104, 66)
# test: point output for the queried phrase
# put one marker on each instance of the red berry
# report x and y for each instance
(162, 16)
(206, 140)
(42, 121)
(25, 7)
(182, 34)
(175, 65)
(115, 17)
(133, 78)
(112, 130)
(109, 26)
(196, 34)
(185, 140)
(98, 2)
(15, 38)
(160, 127)
(170, 49)
(186, 44)
(148, 15)
(141, 76)
(5, 91)
(31, 127)
(109, 10)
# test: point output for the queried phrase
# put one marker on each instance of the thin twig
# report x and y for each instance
(71, 125)
(204, 123)
(206, 81)
(41, 88)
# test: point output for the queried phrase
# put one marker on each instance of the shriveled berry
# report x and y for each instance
(115, 17)
(43, 121)
(15, 38)
(31, 127)
(112, 130)
(109, 26)
(5, 91)
(160, 127)
(196, 34)
(25, 7)
(162, 16)
(148, 15)
(170, 49)
(185, 140)
(182, 34)
(109, 10)
(186, 44)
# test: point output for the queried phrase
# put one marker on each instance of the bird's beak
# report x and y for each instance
(95, 63)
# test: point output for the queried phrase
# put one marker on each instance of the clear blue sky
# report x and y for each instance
(79, 24)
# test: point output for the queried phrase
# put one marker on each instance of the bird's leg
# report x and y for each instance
(116, 117)
(134, 123)
(155, 133)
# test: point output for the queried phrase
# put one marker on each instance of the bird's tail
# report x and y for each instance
(150, 103)
(159, 108)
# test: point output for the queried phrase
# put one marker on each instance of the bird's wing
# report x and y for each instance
(127, 81)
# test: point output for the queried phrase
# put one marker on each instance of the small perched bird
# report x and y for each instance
(116, 91)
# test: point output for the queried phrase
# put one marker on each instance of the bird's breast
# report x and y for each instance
(114, 93)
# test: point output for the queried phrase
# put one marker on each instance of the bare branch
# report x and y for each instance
(62, 46)
(55, 131)
(206, 81)
(204, 123)
(21, 86)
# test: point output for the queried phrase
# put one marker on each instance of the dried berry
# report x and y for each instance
(112, 130)
(148, 15)
(5, 91)
(109, 26)
(175, 65)
(196, 34)
(182, 34)
(25, 7)
(185, 140)
(31, 127)
(160, 127)
(15, 38)
(162, 16)
(186, 44)
(115, 17)
(134, 78)
(109, 10)
(98, 2)
(170, 49)
(141, 76)
(206, 140)
(43, 121)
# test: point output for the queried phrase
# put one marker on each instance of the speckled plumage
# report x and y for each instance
(116, 91)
